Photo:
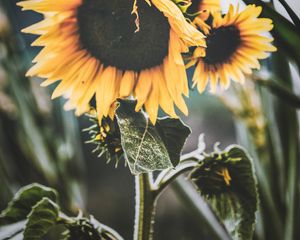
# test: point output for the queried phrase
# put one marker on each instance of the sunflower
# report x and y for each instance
(235, 43)
(113, 49)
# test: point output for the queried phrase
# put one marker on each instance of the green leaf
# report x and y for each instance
(227, 181)
(41, 213)
(174, 133)
(282, 92)
(43, 216)
(147, 147)
(24, 200)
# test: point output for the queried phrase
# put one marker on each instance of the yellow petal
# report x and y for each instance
(151, 104)
(143, 88)
(179, 24)
(127, 84)
(105, 94)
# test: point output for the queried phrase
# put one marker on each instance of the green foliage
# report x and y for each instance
(23, 201)
(227, 181)
(147, 147)
(41, 219)
(34, 211)
(281, 92)
(37, 135)
(173, 133)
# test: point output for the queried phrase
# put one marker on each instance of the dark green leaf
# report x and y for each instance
(143, 147)
(42, 217)
(174, 133)
(24, 200)
(41, 213)
(226, 180)
(281, 92)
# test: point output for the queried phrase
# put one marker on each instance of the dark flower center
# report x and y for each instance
(221, 43)
(195, 6)
(107, 31)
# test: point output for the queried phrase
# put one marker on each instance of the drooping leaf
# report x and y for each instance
(174, 133)
(41, 219)
(147, 147)
(227, 181)
(24, 200)
(144, 149)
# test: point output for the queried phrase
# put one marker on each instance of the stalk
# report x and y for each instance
(145, 208)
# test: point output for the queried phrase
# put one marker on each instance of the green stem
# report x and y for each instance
(145, 208)
(199, 208)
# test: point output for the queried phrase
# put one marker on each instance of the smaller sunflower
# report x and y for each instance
(106, 137)
(235, 43)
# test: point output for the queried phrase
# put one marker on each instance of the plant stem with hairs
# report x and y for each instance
(145, 208)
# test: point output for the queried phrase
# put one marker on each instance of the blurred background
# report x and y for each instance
(40, 142)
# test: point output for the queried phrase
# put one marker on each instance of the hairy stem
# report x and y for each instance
(145, 208)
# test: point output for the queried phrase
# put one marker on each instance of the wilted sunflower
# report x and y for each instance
(112, 49)
(235, 43)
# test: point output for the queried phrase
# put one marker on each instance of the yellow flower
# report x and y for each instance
(95, 49)
(235, 43)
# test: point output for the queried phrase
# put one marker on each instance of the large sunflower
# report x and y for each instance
(235, 43)
(113, 49)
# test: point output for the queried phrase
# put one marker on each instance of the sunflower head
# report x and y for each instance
(235, 43)
(106, 137)
(114, 49)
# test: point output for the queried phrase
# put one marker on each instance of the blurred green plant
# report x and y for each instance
(45, 140)
(35, 210)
